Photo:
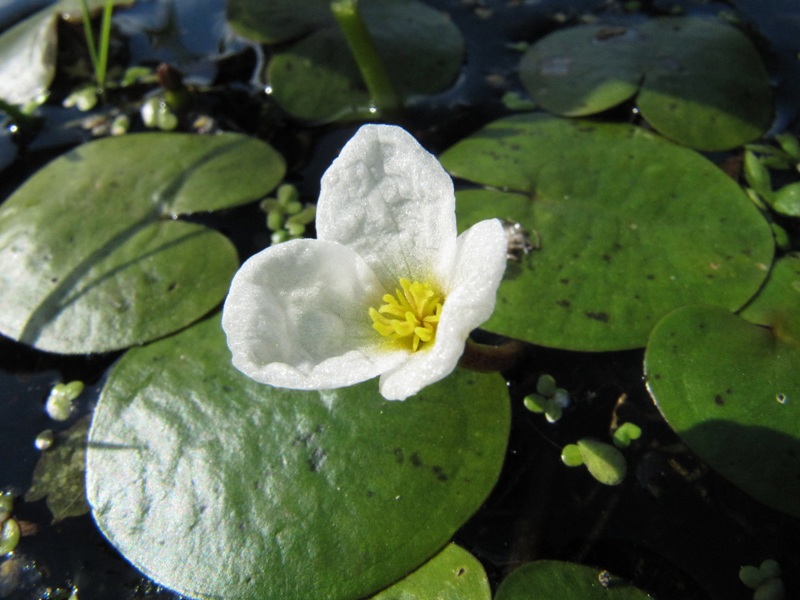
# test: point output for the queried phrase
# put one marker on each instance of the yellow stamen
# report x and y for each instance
(410, 316)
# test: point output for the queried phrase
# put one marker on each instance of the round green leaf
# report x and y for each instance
(453, 574)
(217, 486)
(700, 82)
(606, 464)
(777, 304)
(786, 200)
(317, 78)
(565, 581)
(628, 227)
(91, 256)
(731, 390)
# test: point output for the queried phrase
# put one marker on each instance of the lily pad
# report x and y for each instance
(453, 574)
(731, 390)
(628, 227)
(217, 486)
(92, 257)
(316, 78)
(565, 581)
(698, 81)
(58, 475)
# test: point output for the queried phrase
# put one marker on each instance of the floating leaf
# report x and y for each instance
(731, 390)
(629, 227)
(453, 574)
(316, 77)
(786, 200)
(91, 256)
(58, 475)
(565, 581)
(777, 304)
(699, 81)
(217, 486)
(605, 463)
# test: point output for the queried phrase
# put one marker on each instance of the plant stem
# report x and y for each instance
(87, 30)
(362, 47)
(99, 60)
(105, 42)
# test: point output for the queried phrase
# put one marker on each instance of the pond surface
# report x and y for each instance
(675, 527)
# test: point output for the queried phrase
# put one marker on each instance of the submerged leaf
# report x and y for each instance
(565, 581)
(59, 474)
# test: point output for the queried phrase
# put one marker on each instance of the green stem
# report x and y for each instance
(87, 30)
(365, 54)
(488, 358)
(105, 42)
(99, 60)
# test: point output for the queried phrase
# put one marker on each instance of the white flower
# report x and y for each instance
(387, 289)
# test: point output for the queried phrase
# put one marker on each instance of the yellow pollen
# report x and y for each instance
(410, 316)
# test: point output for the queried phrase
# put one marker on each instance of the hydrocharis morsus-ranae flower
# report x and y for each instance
(388, 287)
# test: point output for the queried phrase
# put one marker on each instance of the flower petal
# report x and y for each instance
(390, 200)
(297, 317)
(479, 268)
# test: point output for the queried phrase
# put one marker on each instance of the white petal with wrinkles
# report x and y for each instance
(297, 314)
(296, 317)
(392, 202)
(470, 300)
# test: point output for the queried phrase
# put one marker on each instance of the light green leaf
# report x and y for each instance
(565, 581)
(91, 256)
(453, 574)
(786, 200)
(700, 82)
(628, 227)
(606, 464)
(220, 487)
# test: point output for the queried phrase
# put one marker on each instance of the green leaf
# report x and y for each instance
(277, 21)
(453, 574)
(628, 226)
(786, 200)
(605, 463)
(316, 77)
(700, 82)
(565, 581)
(58, 475)
(91, 256)
(217, 486)
(731, 390)
(777, 304)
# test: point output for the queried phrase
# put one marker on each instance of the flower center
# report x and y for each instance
(411, 315)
